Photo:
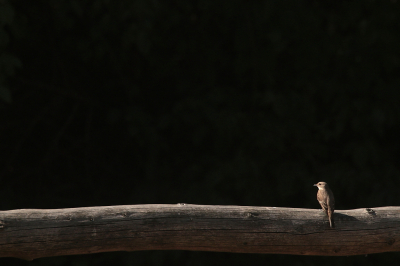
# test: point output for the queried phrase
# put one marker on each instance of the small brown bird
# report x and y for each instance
(327, 201)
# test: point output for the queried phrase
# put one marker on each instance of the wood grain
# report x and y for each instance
(33, 233)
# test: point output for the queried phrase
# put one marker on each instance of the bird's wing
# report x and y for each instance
(331, 200)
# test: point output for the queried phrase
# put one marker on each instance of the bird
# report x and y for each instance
(326, 200)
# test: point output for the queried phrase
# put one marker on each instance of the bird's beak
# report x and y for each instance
(315, 185)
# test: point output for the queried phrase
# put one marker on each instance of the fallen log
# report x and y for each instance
(36, 233)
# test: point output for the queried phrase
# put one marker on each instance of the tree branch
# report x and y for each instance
(30, 234)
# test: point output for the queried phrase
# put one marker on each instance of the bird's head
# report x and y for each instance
(321, 185)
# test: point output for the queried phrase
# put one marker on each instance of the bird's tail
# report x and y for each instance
(331, 221)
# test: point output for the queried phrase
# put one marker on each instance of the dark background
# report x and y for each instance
(202, 102)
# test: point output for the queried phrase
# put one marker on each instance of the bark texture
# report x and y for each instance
(31, 233)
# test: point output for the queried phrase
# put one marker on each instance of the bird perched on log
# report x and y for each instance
(326, 200)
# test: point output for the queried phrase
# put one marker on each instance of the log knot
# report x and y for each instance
(390, 241)
(370, 211)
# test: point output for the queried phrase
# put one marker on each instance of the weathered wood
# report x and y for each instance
(31, 233)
